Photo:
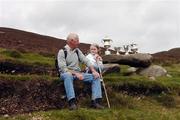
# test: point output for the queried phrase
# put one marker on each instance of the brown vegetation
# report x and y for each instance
(170, 56)
(31, 42)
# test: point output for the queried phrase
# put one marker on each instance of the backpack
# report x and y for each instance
(65, 55)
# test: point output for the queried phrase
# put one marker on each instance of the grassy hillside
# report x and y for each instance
(25, 57)
(143, 112)
(132, 97)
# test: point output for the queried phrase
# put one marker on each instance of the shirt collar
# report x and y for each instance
(68, 48)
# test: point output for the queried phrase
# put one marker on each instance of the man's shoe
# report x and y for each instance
(96, 104)
(72, 104)
(73, 107)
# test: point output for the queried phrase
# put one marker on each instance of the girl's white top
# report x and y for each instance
(93, 61)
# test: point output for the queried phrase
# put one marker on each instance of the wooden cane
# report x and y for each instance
(104, 87)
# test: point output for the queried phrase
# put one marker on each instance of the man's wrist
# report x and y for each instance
(93, 71)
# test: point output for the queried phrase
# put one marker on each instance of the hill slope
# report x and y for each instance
(170, 55)
(31, 42)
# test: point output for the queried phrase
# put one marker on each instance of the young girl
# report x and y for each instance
(95, 58)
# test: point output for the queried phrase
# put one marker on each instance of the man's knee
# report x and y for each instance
(66, 75)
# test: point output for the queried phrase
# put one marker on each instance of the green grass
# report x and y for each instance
(173, 69)
(26, 58)
(138, 108)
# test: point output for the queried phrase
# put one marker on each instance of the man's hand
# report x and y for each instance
(79, 75)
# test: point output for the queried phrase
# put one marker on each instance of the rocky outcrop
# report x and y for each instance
(134, 60)
(153, 71)
(140, 64)
(111, 68)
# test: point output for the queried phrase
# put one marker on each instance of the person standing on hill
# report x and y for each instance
(70, 70)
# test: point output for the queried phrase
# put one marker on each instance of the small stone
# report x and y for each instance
(6, 115)
(13, 71)
(152, 78)
(168, 75)
(153, 70)
(63, 97)
(131, 69)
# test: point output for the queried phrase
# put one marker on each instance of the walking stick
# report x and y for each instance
(104, 87)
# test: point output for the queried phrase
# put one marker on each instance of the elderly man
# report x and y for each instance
(70, 70)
